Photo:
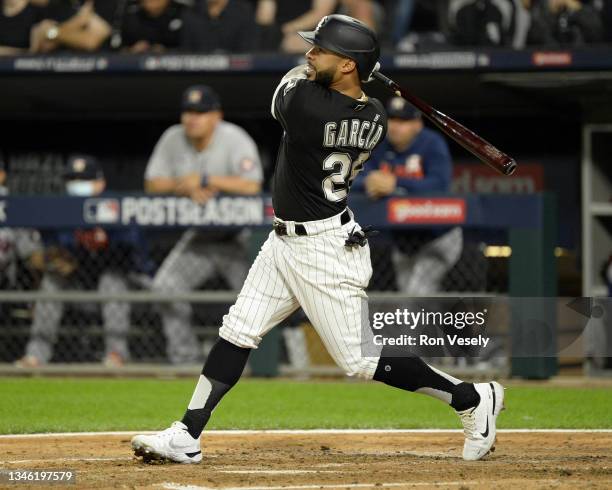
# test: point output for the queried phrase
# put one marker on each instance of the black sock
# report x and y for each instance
(220, 373)
(465, 396)
(413, 374)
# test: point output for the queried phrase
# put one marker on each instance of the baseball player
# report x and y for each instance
(317, 256)
(90, 258)
(200, 157)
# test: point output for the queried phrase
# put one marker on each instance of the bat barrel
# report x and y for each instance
(476, 145)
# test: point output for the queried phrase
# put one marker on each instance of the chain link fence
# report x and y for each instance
(97, 303)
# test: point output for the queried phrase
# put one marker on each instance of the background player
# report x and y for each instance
(200, 157)
(85, 258)
(317, 257)
(412, 160)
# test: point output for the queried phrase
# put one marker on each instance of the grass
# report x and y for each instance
(68, 405)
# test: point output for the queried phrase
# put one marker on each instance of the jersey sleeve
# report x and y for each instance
(244, 160)
(289, 102)
(160, 163)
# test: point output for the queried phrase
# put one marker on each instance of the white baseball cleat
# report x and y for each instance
(174, 444)
(479, 422)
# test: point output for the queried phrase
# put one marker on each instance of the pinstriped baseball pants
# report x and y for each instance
(320, 274)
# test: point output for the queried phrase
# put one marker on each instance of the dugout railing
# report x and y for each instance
(526, 224)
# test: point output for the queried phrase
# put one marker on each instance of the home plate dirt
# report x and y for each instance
(303, 461)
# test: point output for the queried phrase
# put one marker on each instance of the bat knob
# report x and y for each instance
(509, 167)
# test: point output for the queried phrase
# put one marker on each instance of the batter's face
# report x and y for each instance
(200, 125)
(324, 66)
(401, 132)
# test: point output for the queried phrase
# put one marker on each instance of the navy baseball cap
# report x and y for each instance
(83, 167)
(399, 108)
(201, 98)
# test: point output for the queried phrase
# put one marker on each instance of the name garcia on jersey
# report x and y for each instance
(353, 132)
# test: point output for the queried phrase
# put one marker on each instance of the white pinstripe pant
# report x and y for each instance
(320, 274)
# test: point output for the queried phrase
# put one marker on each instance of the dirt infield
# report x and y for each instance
(304, 461)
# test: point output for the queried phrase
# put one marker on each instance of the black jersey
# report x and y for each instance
(328, 138)
(164, 30)
(15, 30)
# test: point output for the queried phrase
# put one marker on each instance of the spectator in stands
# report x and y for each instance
(418, 25)
(402, 19)
(219, 26)
(83, 30)
(606, 13)
(279, 22)
(482, 22)
(414, 160)
(563, 22)
(103, 19)
(19, 20)
(27, 25)
(85, 258)
(153, 25)
(369, 12)
(199, 158)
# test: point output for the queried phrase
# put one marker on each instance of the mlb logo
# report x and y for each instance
(195, 96)
(101, 211)
(78, 165)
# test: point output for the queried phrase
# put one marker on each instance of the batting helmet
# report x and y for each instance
(347, 37)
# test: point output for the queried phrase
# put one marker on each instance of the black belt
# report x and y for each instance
(300, 230)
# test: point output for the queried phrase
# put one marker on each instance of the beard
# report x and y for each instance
(324, 78)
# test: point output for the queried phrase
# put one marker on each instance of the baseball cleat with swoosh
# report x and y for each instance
(479, 422)
(173, 445)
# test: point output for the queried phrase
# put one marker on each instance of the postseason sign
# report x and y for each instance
(112, 211)
(224, 211)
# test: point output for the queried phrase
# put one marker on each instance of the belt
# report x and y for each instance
(300, 230)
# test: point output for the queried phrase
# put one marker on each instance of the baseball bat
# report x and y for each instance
(476, 145)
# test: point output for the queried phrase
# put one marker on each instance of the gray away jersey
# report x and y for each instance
(328, 138)
(230, 152)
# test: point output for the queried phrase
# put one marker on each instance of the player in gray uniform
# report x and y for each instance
(200, 157)
(317, 257)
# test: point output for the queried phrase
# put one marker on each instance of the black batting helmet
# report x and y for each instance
(347, 37)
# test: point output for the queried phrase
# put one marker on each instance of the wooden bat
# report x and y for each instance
(480, 148)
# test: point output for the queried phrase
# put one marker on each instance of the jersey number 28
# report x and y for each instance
(336, 185)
